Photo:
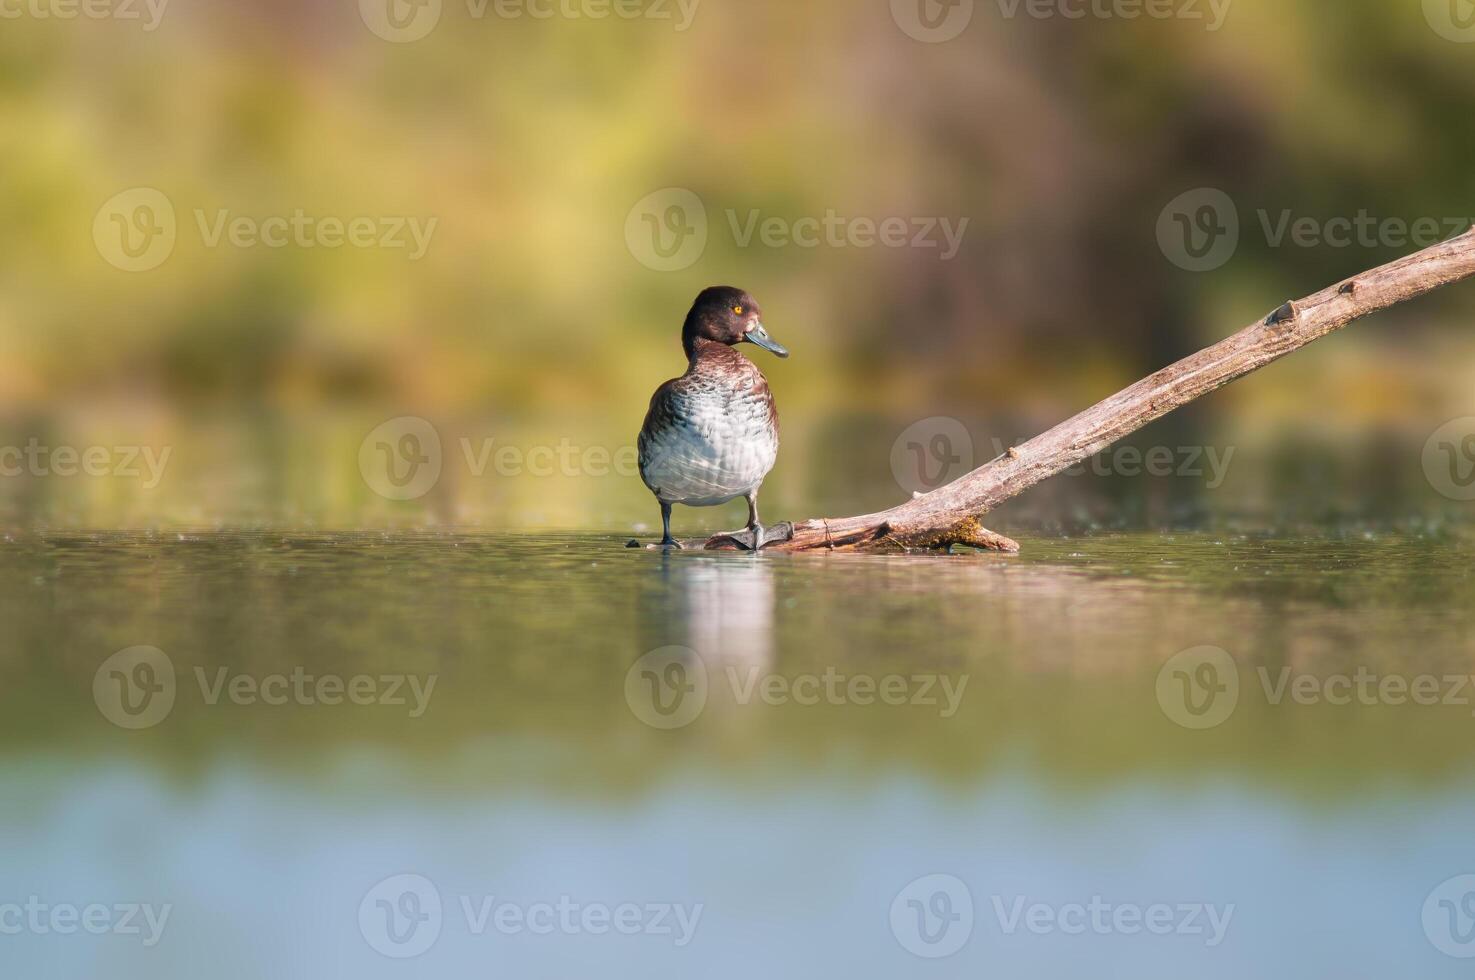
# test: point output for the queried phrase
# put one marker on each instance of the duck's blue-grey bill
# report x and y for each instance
(760, 337)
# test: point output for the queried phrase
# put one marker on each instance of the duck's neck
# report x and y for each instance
(691, 335)
(700, 348)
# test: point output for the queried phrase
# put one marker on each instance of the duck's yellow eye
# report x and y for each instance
(738, 310)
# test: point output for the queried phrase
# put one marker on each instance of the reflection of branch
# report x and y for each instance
(950, 515)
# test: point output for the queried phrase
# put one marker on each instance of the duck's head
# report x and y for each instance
(729, 316)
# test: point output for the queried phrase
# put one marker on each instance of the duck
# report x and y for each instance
(712, 435)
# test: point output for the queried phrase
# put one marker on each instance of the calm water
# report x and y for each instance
(548, 756)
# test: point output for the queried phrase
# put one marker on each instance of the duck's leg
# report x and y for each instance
(754, 527)
(666, 540)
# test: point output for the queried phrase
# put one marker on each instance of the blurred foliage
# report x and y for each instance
(528, 141)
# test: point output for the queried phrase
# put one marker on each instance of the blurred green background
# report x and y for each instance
(215, 313)
(533, 153)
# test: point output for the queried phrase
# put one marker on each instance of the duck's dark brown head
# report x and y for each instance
(728, 316)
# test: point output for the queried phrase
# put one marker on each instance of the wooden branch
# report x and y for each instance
(950, 515)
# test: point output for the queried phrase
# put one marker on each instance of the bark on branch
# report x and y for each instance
(951, 514)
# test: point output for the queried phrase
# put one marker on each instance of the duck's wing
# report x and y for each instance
(678, 459)
(665, 443)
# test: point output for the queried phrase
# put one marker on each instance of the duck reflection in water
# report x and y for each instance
(720, 607)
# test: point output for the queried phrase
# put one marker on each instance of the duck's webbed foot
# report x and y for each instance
(756, 535)
(753, 538)
(748, 539)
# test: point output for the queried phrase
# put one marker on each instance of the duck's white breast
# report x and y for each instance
(711, 444)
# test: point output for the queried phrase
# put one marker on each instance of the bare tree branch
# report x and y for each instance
(950, 515)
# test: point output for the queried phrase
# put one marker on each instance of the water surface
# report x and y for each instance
(772, 749)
